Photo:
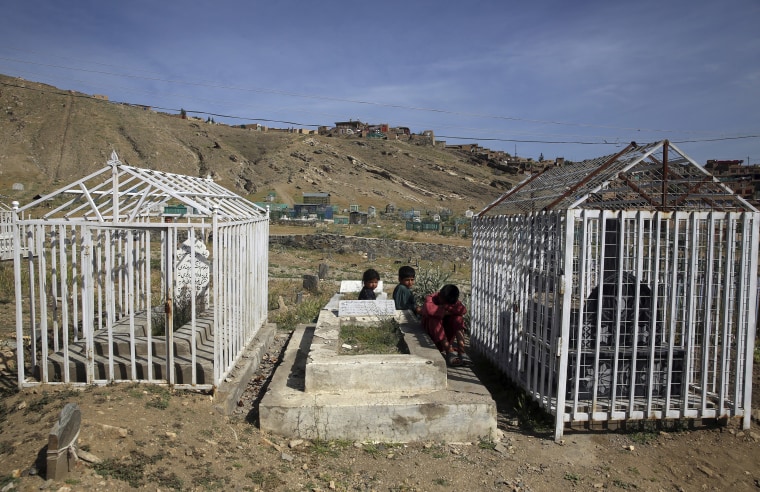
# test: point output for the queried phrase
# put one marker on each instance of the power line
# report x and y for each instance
(453, 137)
(213, 85)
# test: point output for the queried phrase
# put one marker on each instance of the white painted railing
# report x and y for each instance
(89, 297)
(615, 316)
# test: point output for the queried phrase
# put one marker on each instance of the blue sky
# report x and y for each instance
(521, 76)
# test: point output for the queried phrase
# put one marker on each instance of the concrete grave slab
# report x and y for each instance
(317, 393)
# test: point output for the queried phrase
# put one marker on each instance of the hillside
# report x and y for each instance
(50, 137)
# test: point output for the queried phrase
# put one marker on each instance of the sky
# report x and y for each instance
(556, 78)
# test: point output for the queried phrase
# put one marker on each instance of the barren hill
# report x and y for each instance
(50, 137)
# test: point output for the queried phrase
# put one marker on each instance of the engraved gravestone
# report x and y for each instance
(61, 450)
(380, 308)
(184, 271)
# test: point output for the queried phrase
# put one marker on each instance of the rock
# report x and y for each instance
(500, 448)
(287, 457)
(295, 443)
(705, 470)
(21, 406)
(281, 304)
(172, 436)
(88, 457)
(115, 431)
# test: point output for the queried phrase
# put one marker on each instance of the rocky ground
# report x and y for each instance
(153, 439)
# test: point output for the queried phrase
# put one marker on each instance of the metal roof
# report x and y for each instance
(121, 193)
(656, 177)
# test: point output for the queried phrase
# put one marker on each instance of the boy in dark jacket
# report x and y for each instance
(402, 294)
(370, 279)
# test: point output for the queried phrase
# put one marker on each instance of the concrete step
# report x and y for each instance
(120, 341)
(122, 368)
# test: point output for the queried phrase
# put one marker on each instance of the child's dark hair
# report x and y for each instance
(449, 293)
(406, 272)
(370, 274)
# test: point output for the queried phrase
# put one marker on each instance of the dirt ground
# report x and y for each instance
(151, 438)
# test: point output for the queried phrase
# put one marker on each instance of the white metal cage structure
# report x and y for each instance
(620, 288)
(131, 274)
(6, 232)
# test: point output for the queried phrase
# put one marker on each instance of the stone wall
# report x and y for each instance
(390, 248)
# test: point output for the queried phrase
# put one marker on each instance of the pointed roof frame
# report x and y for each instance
(682, 184)
(132, 192)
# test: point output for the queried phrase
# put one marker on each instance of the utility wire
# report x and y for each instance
(214, 85)
(453, 137)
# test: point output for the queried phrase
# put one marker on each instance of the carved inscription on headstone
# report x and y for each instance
(184, 273)
(366, 308)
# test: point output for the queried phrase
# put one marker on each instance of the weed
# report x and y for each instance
(486, 444)
(441, 481)
(164, 479)
(265, 479)
(572, 477)
(624, 485)
(531, 415)
(130, 469)
(295, 312)
(36, 406)
(182, 312)
(381, 338)
(159, 398)
(371, 449)
(71, 481)
(207, 480)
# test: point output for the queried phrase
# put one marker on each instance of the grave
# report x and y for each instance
(318, 393)
(61, 450)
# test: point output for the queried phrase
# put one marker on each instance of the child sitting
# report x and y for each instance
(370, 279)
(443, 319)
(402, 294)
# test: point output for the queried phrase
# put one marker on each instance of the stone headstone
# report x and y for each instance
(185, 276)
(311, 283)
(367, 308)
(347, 286)
(61, 455)
(323, 269)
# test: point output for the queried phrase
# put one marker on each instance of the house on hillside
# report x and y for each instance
(620, 288)
(316, 198)
(743, 180)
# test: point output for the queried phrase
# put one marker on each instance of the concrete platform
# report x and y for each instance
(401, 401)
